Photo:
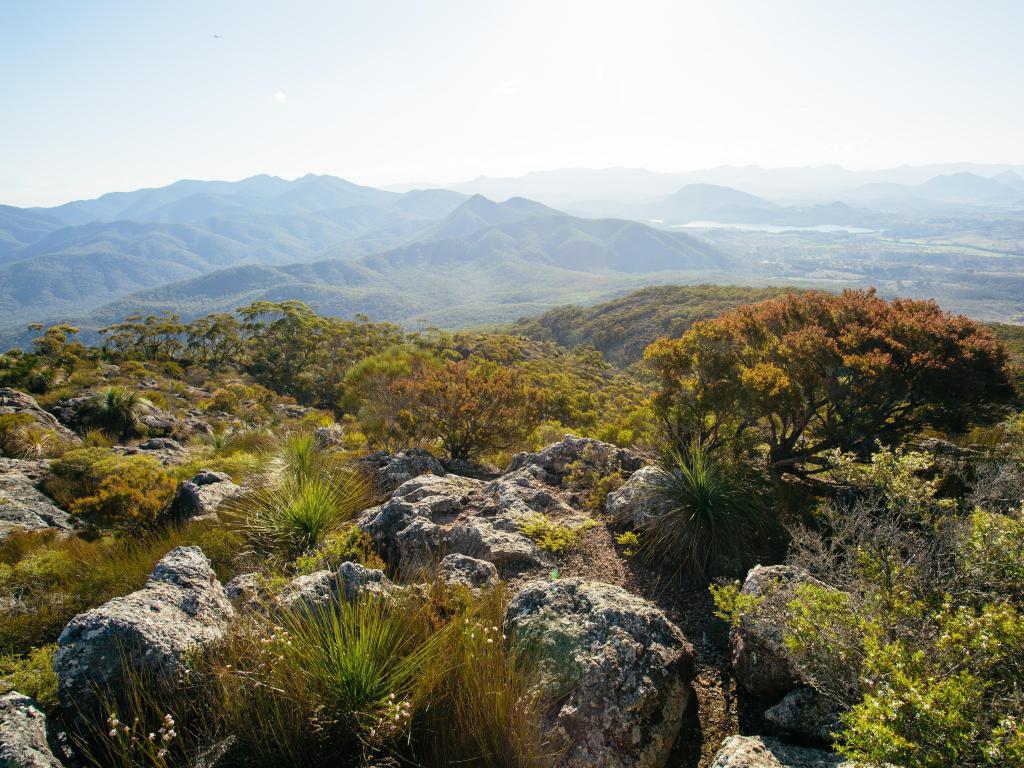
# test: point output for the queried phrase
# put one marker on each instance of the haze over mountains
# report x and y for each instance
(485, 252)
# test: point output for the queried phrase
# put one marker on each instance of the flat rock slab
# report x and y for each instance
(765, 752)
(23, 507)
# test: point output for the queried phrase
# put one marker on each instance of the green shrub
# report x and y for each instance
(31, 675)
(713, 523)
(557, 538)
(111, 490)
(352, 544)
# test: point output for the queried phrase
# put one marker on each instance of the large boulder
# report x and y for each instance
(13, 401)
(23, 740)
(762, 663)
(477, 575)
(806, 715)
(166, 450)
(618, 668)
(390, 470)
(764, 752)
(200, 497)
(582, 453)
(324, 588)
(636, 503)
(182, 606)
(23, 507)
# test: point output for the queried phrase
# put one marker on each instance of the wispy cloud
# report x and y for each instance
(510, 86)
(280, 97)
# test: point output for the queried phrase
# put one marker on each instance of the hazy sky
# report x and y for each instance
(97, 96)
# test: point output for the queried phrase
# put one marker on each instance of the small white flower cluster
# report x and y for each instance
(154, 744)
(392, 720)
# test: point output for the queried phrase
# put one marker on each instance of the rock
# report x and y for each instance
(475, 574)
(429, 517)
(243, 589)
(182, 606)
(617, 666)
(23, 507)
(23, 741)
(166, 450)
(350, 582)
(199, 498)
(390, 470)
(13, 401)
(635, 502)
(806, 715)
(764, 752)
(759, 656)
(329, 437)
(557, 460)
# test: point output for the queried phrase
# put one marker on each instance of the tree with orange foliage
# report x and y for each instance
(472, 406)
(811, 372)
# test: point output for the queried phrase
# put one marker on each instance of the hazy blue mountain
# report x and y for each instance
(497, 272)
(478, 212)
(20, 227)
(961, 188)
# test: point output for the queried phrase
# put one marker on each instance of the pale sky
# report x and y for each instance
(101, 96)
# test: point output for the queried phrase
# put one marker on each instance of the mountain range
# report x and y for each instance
(426, 256)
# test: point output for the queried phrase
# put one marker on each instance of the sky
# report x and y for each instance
(102, 95)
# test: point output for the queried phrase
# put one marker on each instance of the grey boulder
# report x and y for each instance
(618, 668)
(182, 606)
(765, 752)
(14, 401)
(325, 588)
(390, 470)
(23, 507)
(806, 715)
(477, 575)
(23, 741)
(559, 459)
(200, 497)
(636, 503)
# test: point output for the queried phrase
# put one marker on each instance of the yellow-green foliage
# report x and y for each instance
(31, 675)
(349, 545)
(52, 579)
(557, 538)
(630, 543)
(731, 605)
(110, 490)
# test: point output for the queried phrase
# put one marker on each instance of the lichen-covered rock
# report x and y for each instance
(390, 470)
(166, 450)
(322, 588)
(244, 589)
(200, 497)
(13, 401)
(23, 507)
(618, 666)
(806, 715)
(636, 503)
(429, 517)
(559, 459)
(23, 741)
(182, 606)
(760, 659)
(468, 571)
(329, 437)
(764, 752)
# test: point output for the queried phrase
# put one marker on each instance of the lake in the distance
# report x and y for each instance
(774, 227)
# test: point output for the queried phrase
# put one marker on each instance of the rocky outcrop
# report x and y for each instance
(244, 589)
(182, 606)
(806, 715)
(431, 516)
(166, 450)
(477, 575)
(23, 741)
(13, 401)
(760, 659)
(23, 507)
(619, 668)
(200, 497)
(636, 503)
(764, 752)
(323, 588)
(559, 459)
(390, 470)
